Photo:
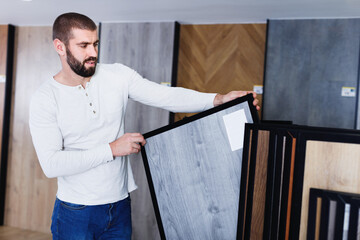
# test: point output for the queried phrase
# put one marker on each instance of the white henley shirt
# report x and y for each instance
(72, 126)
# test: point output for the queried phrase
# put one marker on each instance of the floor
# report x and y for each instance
(11, 233)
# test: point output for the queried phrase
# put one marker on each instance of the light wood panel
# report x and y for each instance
(148, 49)
(11, 233)
(29, 194)
(332, 166)
(221, 58)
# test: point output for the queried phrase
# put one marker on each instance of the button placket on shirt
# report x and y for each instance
(89, 101)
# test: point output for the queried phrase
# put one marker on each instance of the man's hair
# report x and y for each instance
(63, 25)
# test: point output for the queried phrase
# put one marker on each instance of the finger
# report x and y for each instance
(135, 147)
(135, 134)
(138, 139)
(143, 142)
(254, 94)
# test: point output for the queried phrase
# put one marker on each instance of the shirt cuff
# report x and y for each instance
(210, 101)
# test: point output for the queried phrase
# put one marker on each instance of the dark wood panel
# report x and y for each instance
(259, 194)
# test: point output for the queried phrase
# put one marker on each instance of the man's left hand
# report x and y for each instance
(220, 99)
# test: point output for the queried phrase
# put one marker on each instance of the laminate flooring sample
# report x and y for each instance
(194, 169)
(331, 166)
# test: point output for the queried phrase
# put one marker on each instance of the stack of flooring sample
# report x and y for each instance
(193, 168)
(333, 215)
(281, 163)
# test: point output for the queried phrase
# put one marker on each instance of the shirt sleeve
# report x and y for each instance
(48, 143)
(174, 99)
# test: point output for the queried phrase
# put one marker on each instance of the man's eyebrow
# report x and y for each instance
(87, 43)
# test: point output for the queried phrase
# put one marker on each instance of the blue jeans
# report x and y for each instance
(82, 222)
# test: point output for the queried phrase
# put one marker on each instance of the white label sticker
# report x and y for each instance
(235, 127)
(2, 78)
(166, 84)
(258, 89)
(348, 92)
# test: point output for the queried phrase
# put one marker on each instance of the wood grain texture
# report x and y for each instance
(196, 178)
(331, 166)
(291, 181)
(29, 194)
(3, 63)
(221, 58)
(3, 48)
(259, 195)
(308, 62)
(148, 49)
(11, 233)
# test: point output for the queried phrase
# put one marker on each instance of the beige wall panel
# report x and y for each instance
(3, 48)
(331, 166)
(29, 194)
(3, 58)
(221, 58)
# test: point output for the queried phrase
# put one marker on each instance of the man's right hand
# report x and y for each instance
(127, 144)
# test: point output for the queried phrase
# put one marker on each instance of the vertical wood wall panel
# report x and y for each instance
(29, 195)
(221, 58)
(3, 61)
(147, 48)
(308, 63)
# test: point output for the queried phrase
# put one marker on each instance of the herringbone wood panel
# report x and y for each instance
(221, 58)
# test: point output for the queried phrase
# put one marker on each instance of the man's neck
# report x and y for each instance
(70, 78)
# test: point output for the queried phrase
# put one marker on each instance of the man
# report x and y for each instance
(77, 127)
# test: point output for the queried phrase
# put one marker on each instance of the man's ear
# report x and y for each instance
(59, 47)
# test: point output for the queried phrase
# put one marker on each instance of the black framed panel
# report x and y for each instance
(244, 183)
(193, 170)
(275, 150)
(304, 136)
(284, 173)
(335, 218)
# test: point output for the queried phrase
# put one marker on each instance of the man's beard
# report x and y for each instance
(78, 67)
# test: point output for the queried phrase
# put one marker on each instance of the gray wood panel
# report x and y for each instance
(147, 48)
(196, 178)
(308, 63)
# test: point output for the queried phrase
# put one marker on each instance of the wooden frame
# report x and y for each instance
(169, 227)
